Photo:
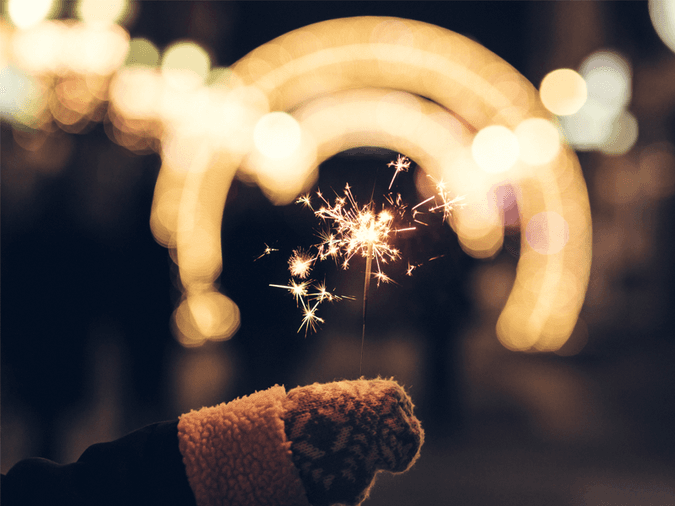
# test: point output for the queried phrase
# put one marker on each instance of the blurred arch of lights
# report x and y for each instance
(297, 72)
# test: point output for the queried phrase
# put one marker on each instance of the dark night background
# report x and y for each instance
(87, 293)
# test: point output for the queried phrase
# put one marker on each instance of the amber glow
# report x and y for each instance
(103, 12)
(461, 76)
(27, 13)
(275, 115)
(539, 141)
(563, 91)
(185, 65)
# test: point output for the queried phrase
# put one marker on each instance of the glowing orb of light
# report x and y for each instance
(495, 149)
(547, 232)
(608, 78)
(662, 13)
(563, 92)
(277, 135)
(22, 98)
(590, 127)
(96, 11)
(185, 65)
(142, 52)
(26, 13)
(539, 141)
(209, 315)
(623, 135)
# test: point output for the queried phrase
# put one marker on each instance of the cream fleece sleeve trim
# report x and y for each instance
(237, 454)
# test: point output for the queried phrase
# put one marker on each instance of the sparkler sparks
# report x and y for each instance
(300, 263)
(447, 202)
(353, 230)
(310, 320)
(402, 164)
(267, 251)
(303, 296)
(304, 200)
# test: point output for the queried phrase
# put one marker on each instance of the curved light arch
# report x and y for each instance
(449, 69)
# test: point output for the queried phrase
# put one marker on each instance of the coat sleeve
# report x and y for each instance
(144, 468)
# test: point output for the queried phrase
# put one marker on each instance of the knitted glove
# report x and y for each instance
(317, 445)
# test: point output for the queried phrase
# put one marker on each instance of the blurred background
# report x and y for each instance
(88, 349)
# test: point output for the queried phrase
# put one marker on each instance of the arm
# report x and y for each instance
(142, 468)
(317, 445)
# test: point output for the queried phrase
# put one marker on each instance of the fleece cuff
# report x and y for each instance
(237, 453)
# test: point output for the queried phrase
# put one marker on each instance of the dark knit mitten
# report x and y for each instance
(343, 433)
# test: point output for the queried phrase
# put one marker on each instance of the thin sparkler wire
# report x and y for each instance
(366, 286)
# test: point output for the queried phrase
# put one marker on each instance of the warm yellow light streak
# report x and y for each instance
(277, 135)
(539, 141)
(495, 149)
(547, 232)
(458, 74)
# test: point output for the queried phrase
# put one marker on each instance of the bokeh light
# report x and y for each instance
(22, 98)
(277, 135)
(539, 141)
(27, 13)
(205, 316)
(39, 49)
(547, 232)
(662, 13)
(608, 78)
(495, 148)
(103, 12)
(563, 92)
(185, 65)
(590, 127)
(142, 52)
(603, 123)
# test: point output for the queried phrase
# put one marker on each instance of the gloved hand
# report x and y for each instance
(316, 445)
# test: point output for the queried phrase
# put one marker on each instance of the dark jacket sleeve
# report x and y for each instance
(144, 468)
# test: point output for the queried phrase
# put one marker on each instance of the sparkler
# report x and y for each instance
(357, 230)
